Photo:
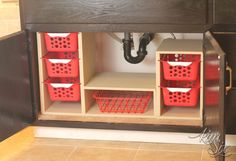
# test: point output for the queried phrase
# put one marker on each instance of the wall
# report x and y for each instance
(9, 18)
(110, 52)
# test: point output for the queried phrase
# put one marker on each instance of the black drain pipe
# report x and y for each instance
(142, 52)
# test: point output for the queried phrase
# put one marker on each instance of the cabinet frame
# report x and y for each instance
(31, 28)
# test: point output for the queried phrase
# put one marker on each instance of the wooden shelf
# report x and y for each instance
(122, 81)
(94, 111)
(181, 112)
(94, 115)
(64, 108)
(170, 46)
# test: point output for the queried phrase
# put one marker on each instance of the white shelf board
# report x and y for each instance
(64, 108)
(185, 46)
(181, 112)
(122, 81)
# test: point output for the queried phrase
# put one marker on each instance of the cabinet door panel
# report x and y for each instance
(227, 41)
(214, 94)
(15, 93)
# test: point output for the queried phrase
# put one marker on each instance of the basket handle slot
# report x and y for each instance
(213, 89)
(184, 90)
(61, 85)
(213, 62)
(179, 63)
(63, 61)
(58, 34)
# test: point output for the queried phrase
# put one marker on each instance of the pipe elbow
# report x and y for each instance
(141, 53)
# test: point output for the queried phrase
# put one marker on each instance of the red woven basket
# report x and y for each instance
(180, 66)
(181, 94)
(63, 89)
(122, 101)
(61, 42)
(62, 64)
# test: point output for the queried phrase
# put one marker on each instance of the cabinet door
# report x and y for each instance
(227, 41)
(214, 96)
(15, 89)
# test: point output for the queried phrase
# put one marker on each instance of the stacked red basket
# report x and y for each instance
(62, 64)
(180, 86)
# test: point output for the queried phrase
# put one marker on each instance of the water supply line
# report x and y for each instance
(144, 40)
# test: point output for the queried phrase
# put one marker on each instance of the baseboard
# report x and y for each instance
(121, 135)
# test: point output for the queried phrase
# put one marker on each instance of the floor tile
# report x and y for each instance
(48, 149)
(102, 154)
(45, 153)
(231, 149)
(207, 157)
(146, 155)
(111, 144)
(231, 157)
(171, 147)
(59, 142)
(85, 143)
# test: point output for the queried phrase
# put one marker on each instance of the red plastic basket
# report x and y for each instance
(62, 64)
(122, 101)
(63, 89)
(211, 96)
(180, 66)
(61, 42)
(212, 70)
(181, 93)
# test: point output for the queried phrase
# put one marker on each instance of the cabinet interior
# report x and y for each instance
(93, 77)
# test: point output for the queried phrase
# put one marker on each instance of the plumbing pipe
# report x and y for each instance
(142, 52)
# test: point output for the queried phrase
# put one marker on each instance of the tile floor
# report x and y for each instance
(43, 149)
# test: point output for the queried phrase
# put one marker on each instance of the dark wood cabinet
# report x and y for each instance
(227, 41)
(107, 15)
(225, 12)
(20, 102)
(178, 12)
(15, 94)
(214, 115)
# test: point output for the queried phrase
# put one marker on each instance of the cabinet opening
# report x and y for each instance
(102, 77)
